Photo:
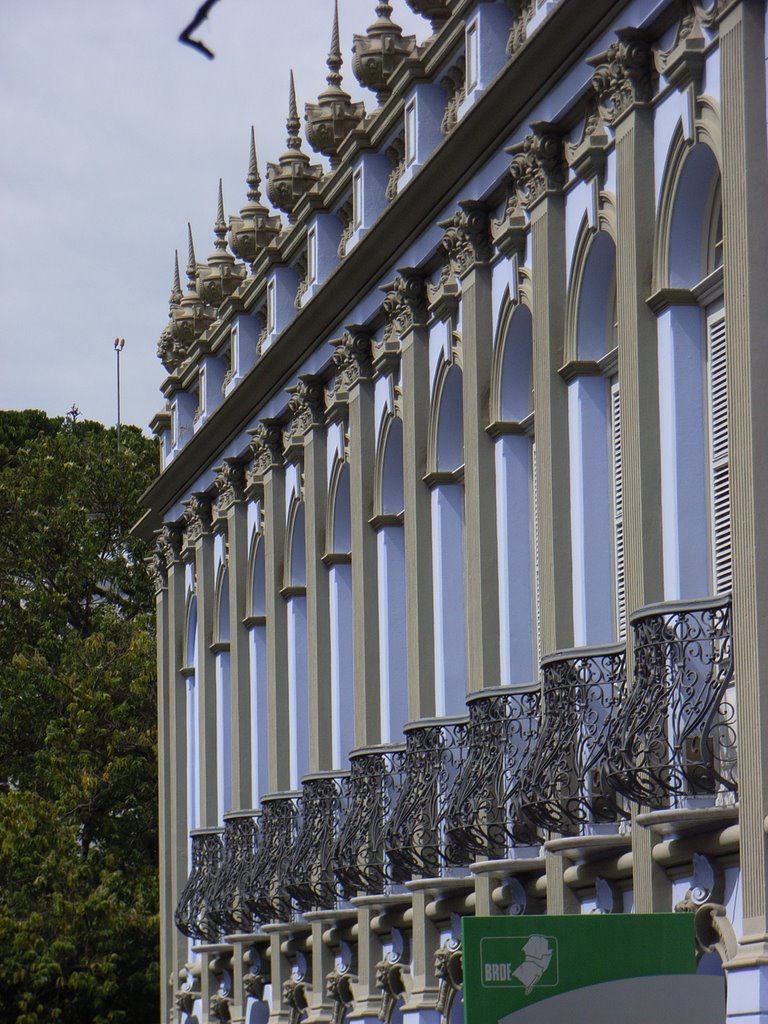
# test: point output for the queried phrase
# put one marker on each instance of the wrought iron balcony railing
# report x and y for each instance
(676, 733)
(265, 894)
(503, 726)
(310, 878)
(416, 834)
(194, 916)
(566, 786)
(368, 797)
(228, 909)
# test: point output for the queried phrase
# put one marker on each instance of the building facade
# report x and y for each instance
(462, 592)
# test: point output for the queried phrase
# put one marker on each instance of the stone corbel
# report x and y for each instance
(706, 887)
(189, 990)
(295, 997)
(623, 76)
(229, 484)
(266, 449)
(353, 361)
(197, 518)
(714, 932)
(587, 157)
(391, 980)
(405, 304)
(538, 166)
(449, 972)
(341, 993)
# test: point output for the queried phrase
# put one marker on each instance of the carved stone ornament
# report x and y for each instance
(197, 518)
(454, 83)
(389, 980)
(341, 994)
(352, 360)
(306, 406)
(538, 166)
(185, 1002)
(293, 175)
(220, 1007)
(587, 156)
(623, 75)
(438, 11)
(405, 303)
(449, 972)
(345, 215)
(266, 447)
(683, 63)
(467, 238)
(192, 317)
(395, 153)
(295, 997)
(229, 484)
(334, 116)
(169, 544)
(221, 276)
(714, 932)
(158, 571)
(256, 228)
(522, 12)
(380, 52)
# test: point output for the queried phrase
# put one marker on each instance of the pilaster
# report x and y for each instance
(354, 384)
(369, 954)
(468, 247)
(405, 308)
(267, 474)
(539, 174)
(745, 235)
(230, 504)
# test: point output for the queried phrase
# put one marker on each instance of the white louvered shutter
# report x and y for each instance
(720, 481)
(617, 494)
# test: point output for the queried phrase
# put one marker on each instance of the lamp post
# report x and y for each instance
(119, 345)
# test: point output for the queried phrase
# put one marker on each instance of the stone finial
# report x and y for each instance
(293, 175)
(169, 351)
(538, 166)
(192, 317)
(437, 11)
(623, 75)
(255, 229)
(380, 52)
(333, 117)
(220, 276)
(176, 292)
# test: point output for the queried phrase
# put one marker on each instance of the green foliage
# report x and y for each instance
(78, 839)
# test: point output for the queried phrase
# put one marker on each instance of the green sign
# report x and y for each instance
(633, 968)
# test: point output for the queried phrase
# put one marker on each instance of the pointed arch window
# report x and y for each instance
(223, 694)
(295, 593)
(339, 561)
(256, 622)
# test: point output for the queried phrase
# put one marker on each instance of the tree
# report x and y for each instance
(78, 838)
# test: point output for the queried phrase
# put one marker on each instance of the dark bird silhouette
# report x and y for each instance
(201, 16)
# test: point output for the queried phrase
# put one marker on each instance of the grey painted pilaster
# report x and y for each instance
(201, 536)
(745, 242)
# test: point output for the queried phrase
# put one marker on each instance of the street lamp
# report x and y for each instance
(119, 345)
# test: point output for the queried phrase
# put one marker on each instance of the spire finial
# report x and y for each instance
(383, 10)
(220, 228)
(253, 180)
(176, 294)
(334, 54)
(293, 124)
(191, 261)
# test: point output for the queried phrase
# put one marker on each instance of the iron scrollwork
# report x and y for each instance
(566, 786)
(238, 852)
(415, 838)
(503, 726)
(310, 878)
(266, 896)
(194, 914)
(368, 796)
(676, 734)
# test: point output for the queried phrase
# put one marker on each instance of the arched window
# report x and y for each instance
(448, 556)
(298, 684)
(338, 557)
(390, 546)
(223, 695)
(693, 379)
(257, 633)
(594, 436)
(514, 457)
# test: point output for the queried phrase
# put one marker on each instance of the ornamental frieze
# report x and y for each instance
(538, 166)
(623, 75)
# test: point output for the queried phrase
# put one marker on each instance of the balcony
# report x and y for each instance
(310, 878)
(194, 914)
(503, 726)
(264, 892)
(675, 737)
(228, 910)
(368, 796)
(416, 834)
(566, 789)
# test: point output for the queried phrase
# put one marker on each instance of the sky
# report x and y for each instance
(112, 136)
